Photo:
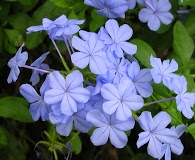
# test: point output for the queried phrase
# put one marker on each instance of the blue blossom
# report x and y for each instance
(117, 68)
(156, 12)
(141, 79)
(121, 98)
(64, 123)
(115, 38)
(108, 126)
(185, 100)
(101, 80)
(163, 71)
(47, 25)
(90, 52)
(38, 63)
(64, 28)
(156, 133)
(38, 107)
(110, 9)
(131, 4)
(19, 60)
(168, 148)
(67, 91)
(59, 29)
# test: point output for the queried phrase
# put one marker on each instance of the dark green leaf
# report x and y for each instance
(187, 2)
(3, 137)
(191, 130)
(75, 143)
(60, 3)
(15, 108)
(190, 25)
(144, 51)
(17, 22)
(96, 21)
(35, 39)
(183, 44)
(15, 37)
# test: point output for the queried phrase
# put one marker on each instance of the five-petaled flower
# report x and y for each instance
(108, 126)
(156, 12)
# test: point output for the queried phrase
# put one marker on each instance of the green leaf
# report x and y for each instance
(17, 22)
(72, 15)
(191, 130)
(187, 2)
(144, 51)
(60, 3)
(4, 12)
(75, 142)
(190, 25)
(35, 39)
(15, 37)
(183, 44)
(43, 11)
(3, 137)
(15, 108)
(96, 21)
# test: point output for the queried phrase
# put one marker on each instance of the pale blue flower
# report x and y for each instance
(38, 107)
(115, 38)
(155, 13)
(141, 79)
(168, 148)
(185, 100)
(131, 4)
(59, 29)
(64, 28)
(108, 126)
(163, 71)
(121, 98)
(64, 123)
(19, 60)
(117, 68)
(110, 9)
(90, 52)
(156, 133)
(38, 63)
(67, 91)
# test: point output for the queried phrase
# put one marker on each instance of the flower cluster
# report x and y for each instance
(107, 87)
(154, 12)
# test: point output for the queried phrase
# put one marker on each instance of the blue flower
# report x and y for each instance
(131, 4)
(168, 148)
(64, 123)
(115, 38)
(185, 100)
(47, 25)
(68, 92)
(108, 126)
(156, 12)
(59, 29)
(19, 60)
(38, 64)
(141, 79)
(110, 9)
(156, 133)
(64, 28)
(117, 68)
(38, 107)
(90, 52)
(163, 71)
(121, 98)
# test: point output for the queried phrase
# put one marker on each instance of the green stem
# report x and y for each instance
(60, 55)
